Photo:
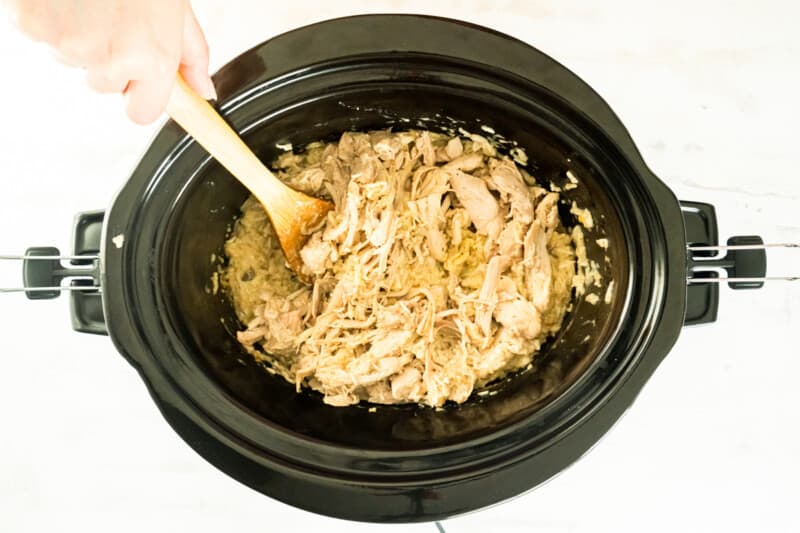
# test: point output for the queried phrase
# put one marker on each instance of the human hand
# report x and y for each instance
(133, 47)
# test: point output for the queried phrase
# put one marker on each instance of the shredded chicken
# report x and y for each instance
(440, 269)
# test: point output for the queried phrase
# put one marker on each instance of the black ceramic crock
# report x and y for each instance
(399, 463)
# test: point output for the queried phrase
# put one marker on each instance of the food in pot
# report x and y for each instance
(443, 267)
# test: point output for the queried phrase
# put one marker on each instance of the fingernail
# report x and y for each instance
(211, 91)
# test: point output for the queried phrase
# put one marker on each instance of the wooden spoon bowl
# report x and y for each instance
(291, 212)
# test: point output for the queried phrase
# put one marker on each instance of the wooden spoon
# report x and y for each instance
(292, 213)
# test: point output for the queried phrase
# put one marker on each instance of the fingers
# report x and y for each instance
(106, 79)
(129, 47)
(145, 75)
(152, 76)
(147, 95)
(194, 57)
(147, 98)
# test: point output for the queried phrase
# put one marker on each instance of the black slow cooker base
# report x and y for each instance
(402, 463)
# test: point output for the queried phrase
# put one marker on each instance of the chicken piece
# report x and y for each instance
(407, 385)
(308, 180)
(520, 316)
(547, 211)
(377, 221)
(385, 144)
(538, 270)
(316, 299)
(368, 370)
(417, 178)
(488, 295)
(438, 294)
(251, 336)
(346, 148)
(466, 162)
(497, 356)
(434, 182)
(425, 147)
(454, 148)
(449, 384)
(316, 254)
(509, 244)
(337, 298)
(429, 212)
(482, 144)
(507, 287)
(447, 374)
(378, 235)
(328, 373)
(344, 217)
(351, 144)
(335, 182)
(379, 392)
(507, 180)
(289, 161)
(449, 151)
(341, 399)
(388, 342)
(393, 316)
(458, 222)
(283, 321)
(479, 203)
(364, 169)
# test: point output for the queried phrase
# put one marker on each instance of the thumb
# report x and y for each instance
(194, 57)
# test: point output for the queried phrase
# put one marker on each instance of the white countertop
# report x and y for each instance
(709, 91)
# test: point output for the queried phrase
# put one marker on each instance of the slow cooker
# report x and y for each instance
(140, 272)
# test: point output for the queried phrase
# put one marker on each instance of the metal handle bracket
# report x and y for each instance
(43, 273)
(745, 262)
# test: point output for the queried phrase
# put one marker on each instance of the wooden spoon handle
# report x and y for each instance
(210, 130)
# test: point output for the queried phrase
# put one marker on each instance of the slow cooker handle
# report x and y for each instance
(744, 262)
(43, 274)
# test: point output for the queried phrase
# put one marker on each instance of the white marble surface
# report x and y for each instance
(709, 91)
